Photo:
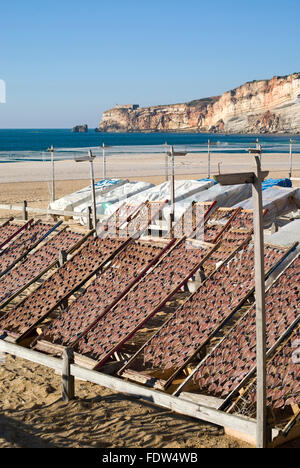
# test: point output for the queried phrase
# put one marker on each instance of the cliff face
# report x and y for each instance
(270, 106)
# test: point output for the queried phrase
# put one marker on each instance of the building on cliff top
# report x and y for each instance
(127, 106)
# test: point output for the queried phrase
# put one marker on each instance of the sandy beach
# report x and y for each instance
(31, 180)
(146, 167)
(31, 412)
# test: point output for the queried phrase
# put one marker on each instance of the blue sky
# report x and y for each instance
(65, 62)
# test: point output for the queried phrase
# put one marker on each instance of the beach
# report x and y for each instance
(32, 413)
(33, 416)
(31, 180)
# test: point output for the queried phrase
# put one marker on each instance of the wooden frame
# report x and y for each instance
(36, 278)
(226, 401)
(238, 424)
(158, 307)
(166, 384)
(31, 248)
(12, 236)
(136, 280)
(19, 338)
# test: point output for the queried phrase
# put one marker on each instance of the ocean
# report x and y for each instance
(32, 144)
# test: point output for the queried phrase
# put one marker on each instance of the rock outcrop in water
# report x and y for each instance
(80, 129)
(268, 106)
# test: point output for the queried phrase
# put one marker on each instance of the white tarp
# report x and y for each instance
(106, 201)
(286, 235)
(183, 189)
(225, 196)
(278, 200)
(69, 202)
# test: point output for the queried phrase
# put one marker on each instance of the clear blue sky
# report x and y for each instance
(64, 62)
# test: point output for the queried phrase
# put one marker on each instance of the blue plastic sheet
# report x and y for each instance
(208, 180)
(276, 182)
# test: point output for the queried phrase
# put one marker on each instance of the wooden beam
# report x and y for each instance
(179, 405)
(239, 178)
(260, 296)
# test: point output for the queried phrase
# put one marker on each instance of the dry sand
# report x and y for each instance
(31, 412)
(145, 167)
(33, 416)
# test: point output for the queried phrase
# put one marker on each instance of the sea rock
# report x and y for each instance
(267, 106)
(80, 129)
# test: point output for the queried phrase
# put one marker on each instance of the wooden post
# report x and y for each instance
(172, 182)
(68, 387)
(103, 161)
(208, 159)
(93, 193)
(291, 159)
(89, 218)
(52, 175)
(262, 431)
(62, 257)
(166, 163)
(25, 213)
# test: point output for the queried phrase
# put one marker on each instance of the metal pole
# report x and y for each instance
(208, 159)
(262, 430)
(166, 163)
(51, 150)
(104, 161)
(291, 159)
(93, 192)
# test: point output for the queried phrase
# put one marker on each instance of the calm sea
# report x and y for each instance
(16, 145)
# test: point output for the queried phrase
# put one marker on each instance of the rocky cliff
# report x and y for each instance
(268, 106)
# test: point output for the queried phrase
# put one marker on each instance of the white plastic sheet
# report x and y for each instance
(278, 200)
(69, 202)
(225, 196)
(183, 190)
(286, 235)
(106, 201)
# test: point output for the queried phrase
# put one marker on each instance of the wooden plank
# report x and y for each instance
(6, 222)
(179, 405)
(140, 377)
(212, 402)
(33, 356)
(164, 400)
(239, 178)
(10, 207)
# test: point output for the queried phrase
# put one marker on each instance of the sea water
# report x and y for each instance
(32, 144)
